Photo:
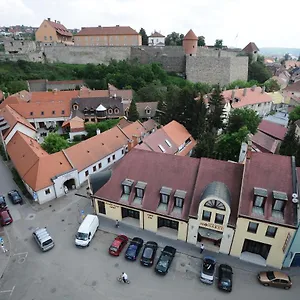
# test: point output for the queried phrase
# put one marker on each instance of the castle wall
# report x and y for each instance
(239, 68)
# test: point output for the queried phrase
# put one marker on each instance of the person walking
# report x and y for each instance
(201, 248)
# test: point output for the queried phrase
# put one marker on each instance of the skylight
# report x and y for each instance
(161, 148)
(168, 143)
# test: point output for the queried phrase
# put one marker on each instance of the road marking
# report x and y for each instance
(22, 257)
(9, 291)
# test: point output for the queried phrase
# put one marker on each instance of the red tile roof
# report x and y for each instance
(112, 30)
(156, 34)
(216, 170)
(135, 129)
(294, 87)
(190, 35)
(265, 143)
(251, 47)
(273, 173)
(1, 95)
(60, 28)
(170, 171)
(272, 129)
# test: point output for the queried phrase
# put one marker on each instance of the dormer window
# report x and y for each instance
(140, 189)
(165, 193)
(179, 198)
(127, 186)
(75, 106)
(280, 199)
(260, 196)
(116, 110)
(42, 113)
(31, 113)
(110, 111)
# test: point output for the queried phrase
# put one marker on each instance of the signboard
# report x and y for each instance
(212, 226)
(287, 241)
(150, 216)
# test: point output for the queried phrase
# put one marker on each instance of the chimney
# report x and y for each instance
(54, 21)
(98, 131)
(58, 22)
(49, 19)
(54, 91)
(253, 88)
(245, 92)
(117, 25)
(99, 25)
(263, 89)
(249, 148)
(232, 94)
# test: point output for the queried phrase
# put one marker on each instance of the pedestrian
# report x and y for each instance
(201, 248)
(3, 249)
(117, 223)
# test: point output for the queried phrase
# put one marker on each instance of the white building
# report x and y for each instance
(156, 39)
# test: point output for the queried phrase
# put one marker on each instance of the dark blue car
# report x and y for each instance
(134, 248)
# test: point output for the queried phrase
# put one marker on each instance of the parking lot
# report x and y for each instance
(67, 272)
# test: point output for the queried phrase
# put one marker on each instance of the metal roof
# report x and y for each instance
(99, 179)
(166, 190)
(280, 195)
(180, 194)
(217, 189)
(141, 185)
(260, 192)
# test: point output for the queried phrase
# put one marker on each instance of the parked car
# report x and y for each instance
(117, 245)
(164, 262)
(15, 197)
(2, 202)
(5, 217)
(225, 278)
(43, 239)
(134, 248)
(148, 254)
(208, 270)
(276, 279)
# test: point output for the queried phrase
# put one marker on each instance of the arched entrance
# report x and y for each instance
(69, 185)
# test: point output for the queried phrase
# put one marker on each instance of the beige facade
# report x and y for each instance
(272, 249)
(108, 40)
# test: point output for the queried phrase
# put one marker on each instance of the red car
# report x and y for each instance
(117, 245)
(5, 217)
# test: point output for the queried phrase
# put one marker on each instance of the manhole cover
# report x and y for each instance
(30, 228)
(50, 205)
(30, 217)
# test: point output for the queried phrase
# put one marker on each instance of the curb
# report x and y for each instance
(9, 251)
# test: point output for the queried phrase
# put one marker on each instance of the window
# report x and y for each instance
(252, 227)
(110, 111)
(164, 198)
(94, 168)
(215, 204)
(45, 38)
(168, 143)
(259, 201)
(271, 231)
(122, 151)
(47, 191)
(42, 113)
(116, 111)
(108, 160)
(62, 112)
(161, 148)
(179, 202)
(165, 193)
(126, 189)
(206, 215)
(139, 193)
(86, 173)
(278, 205)
(50, 37)
(100, 165)
(219, 219)
(31, 113)
(53, 112)
(114, 156)
(161, 222)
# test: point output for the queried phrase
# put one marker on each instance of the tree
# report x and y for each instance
(201, 41)
(205, 145)
(290, 145)
(54, 143)
(298, 58)
(218, 44)
(294, 115)
(91, 128)
(258, 71)
(144, 37)
(286, 57)
(241, 84)
(151, 93)
(174, 39)
(271, 85)
(133, 114)
(199, 118)
(240, 118)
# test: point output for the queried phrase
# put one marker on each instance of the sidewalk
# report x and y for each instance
(4, 257)
(108, 225)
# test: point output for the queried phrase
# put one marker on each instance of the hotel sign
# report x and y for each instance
(212, 226)
(287, 241)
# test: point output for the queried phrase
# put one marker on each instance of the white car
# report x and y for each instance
(208, 270)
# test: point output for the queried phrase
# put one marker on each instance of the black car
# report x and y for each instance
(15, 197)
(225, 278)
(149, 253)
(2, 202)
(134, 248)
(164, 262)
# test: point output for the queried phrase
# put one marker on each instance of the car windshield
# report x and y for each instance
(48, 242)
(82, 236)
(163, 262)
(208, 267)
(113, 249)
(148, 253)
(226, 282)
(6, 220)
(270, 275)
(131, 249)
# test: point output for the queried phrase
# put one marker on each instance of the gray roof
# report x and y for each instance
(217, 189)
(142, 108)
(99, 179)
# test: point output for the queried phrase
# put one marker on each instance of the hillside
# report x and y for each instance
(271, 51)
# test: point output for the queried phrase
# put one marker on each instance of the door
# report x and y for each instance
(296, 260)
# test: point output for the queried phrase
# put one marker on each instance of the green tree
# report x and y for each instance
(54, 143)
(271, 85)
(205, 145)
(218, 44)
(243, 117)
(286, 57)
(174, 39)
(241, 84)
(294, 115)
(199, 118)
(133, 114)
(258, 71)
(201, 41)
(151, 93)
(144, 37)
(290, 145)
(229, 144)
(91, 128)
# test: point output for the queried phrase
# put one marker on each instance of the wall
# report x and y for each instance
(20, 127)
(239, 68)
(84, 55)
(47, 121)
(295, 248)
(108, 40)
(150, 222)
(61, 179)
(19, 46)
(276, 254)
(46, 33)
(43, 197)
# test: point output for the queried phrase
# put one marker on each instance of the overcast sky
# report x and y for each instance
(268, 23)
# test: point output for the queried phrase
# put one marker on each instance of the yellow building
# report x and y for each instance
(50, 32)
(266, 220)
(108, 36)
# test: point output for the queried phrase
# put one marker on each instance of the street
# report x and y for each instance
(66, 272)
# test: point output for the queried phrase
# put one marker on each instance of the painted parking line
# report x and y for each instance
(8, 291)
(21, 257)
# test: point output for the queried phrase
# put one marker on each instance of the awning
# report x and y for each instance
(210, 233)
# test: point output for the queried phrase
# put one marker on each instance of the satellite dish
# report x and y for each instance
(295, 200)
(294, 195)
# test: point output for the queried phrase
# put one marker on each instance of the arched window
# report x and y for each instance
(215, 204)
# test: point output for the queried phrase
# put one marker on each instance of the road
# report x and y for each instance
(66, 272)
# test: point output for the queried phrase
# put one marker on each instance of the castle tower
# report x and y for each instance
(190, 43)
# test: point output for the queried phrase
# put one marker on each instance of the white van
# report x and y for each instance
(86, 231)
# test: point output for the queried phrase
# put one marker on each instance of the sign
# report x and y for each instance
(212, 226)
(287, 241)
(34, 195)
(150, 216)
(112, 206)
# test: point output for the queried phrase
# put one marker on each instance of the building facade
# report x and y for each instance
(156, 39)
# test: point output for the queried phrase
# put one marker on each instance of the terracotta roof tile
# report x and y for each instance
(273, 173)
(76, 124)
(190, 35)
(123, 123)
(113, 30)
(12, 118)
(134, 129)
(272, 129)
(294, 87)
(88, 152)
(251, 47)
(164, 167)
(251, 97)
(264, 142)
(150, 125)
(60, 28)
(216, 170)
(156, 34)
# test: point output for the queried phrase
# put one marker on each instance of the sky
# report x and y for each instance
(236, 22)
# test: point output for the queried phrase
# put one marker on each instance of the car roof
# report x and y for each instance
(137, 240)
(225, 267)
(5, 213)
(152, 244)
(210, 258)
(280, 275)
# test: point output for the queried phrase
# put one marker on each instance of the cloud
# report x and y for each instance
(14, 11)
